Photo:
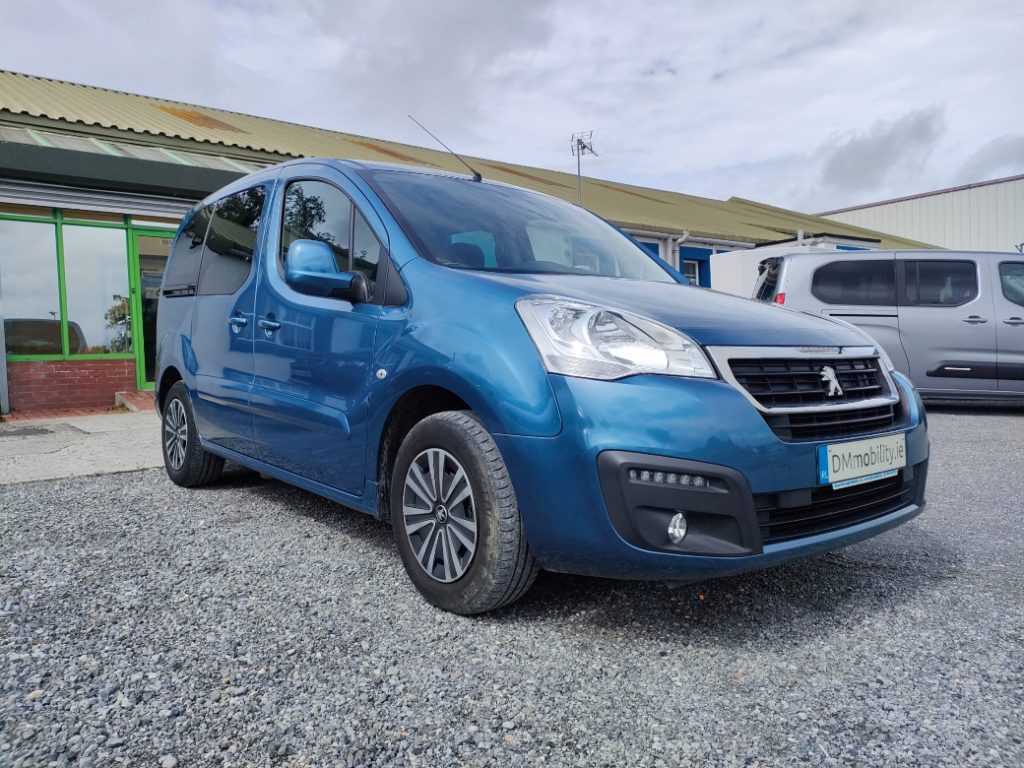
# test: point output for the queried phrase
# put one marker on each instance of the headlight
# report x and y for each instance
(592, 342)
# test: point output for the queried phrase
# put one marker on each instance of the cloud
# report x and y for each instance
(888, 149)
(811, 105)
(1002, 156)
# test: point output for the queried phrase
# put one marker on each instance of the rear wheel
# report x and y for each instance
(455, 516)
(186, 462)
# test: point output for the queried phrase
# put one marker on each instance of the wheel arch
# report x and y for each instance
(168, 378)
(411, 408)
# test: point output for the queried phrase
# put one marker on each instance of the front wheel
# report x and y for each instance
(186, 462)
(455, 517)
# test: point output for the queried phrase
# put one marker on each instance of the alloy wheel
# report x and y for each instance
(440, 515)
(175, 433)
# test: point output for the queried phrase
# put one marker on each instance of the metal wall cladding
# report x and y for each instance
(979, 217)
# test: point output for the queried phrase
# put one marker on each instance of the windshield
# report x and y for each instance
(471, 225)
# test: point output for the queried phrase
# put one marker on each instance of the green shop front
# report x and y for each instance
(86, 225)
(79, 292)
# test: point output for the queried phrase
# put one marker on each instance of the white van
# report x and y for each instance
(952, 320)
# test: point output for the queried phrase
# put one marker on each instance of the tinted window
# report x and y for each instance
(183, 265)
(1011, 276)
(231, 242)
(315, 210)
(766, 287)
(862, 281)
(531, 233)
(940, 283)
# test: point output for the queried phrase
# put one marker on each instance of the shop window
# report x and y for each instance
(231, 242)
(96, 280)
(865, 282)
(29, 288)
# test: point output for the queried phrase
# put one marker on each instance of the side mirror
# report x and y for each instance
(310, 268)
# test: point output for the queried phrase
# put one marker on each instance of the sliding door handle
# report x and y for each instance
(1014, 321)
(237, 322)
(267, 324)
(974, 320)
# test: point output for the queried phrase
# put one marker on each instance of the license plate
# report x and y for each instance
(861, 461)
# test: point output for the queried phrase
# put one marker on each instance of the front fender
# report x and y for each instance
(502, 381)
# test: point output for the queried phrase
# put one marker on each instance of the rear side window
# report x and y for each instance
(939, 283)
(231, 242)
(186, 256)
(867, 282)
(1011, 276)
(767, 286)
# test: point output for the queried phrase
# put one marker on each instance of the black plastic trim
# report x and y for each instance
(977, 370)
(720, 518)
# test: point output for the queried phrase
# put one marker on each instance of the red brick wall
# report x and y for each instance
(60, 384)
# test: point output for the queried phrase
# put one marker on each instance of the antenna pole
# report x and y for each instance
(579, 178)
(581, 145)
(476, 175)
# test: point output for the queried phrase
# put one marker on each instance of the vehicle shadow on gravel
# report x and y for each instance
(777, 606)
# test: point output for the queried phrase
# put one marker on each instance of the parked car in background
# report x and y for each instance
(953, 321)
(41, 336)
(517, 385)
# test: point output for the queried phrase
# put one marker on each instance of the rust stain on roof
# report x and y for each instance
(375, 147)
(195, 117)
(625, 191)
(522, 175)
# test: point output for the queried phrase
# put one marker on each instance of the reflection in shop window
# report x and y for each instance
(96, 280)
(28, 288)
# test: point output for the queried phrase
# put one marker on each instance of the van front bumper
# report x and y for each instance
(597, 498)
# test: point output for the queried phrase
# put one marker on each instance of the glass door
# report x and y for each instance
(149, 258)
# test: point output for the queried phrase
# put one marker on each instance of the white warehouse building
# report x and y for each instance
(986, 216)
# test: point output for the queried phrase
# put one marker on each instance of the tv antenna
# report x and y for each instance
(582, 144)
(476, 174)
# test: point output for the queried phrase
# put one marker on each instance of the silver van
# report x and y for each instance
(952, 320)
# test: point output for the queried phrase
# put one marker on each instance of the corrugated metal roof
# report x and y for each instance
(77, 107)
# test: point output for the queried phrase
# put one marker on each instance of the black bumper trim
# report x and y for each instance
(720, 517)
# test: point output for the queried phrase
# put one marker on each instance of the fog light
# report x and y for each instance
(677, 527)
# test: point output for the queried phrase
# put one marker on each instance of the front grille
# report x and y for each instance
(824, 509)
(827, 425)
(799, 382)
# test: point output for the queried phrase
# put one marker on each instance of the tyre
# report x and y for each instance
(187, 463)
(455, 516)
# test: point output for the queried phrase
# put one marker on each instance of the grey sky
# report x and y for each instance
(810, 105)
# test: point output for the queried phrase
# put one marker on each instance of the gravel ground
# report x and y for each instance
(254, 624)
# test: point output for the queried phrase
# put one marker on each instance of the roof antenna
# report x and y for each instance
(476, 174)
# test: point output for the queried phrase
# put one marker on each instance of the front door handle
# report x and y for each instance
(267, 324)
(237, 322)
(1014, 321)
(974, 320)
